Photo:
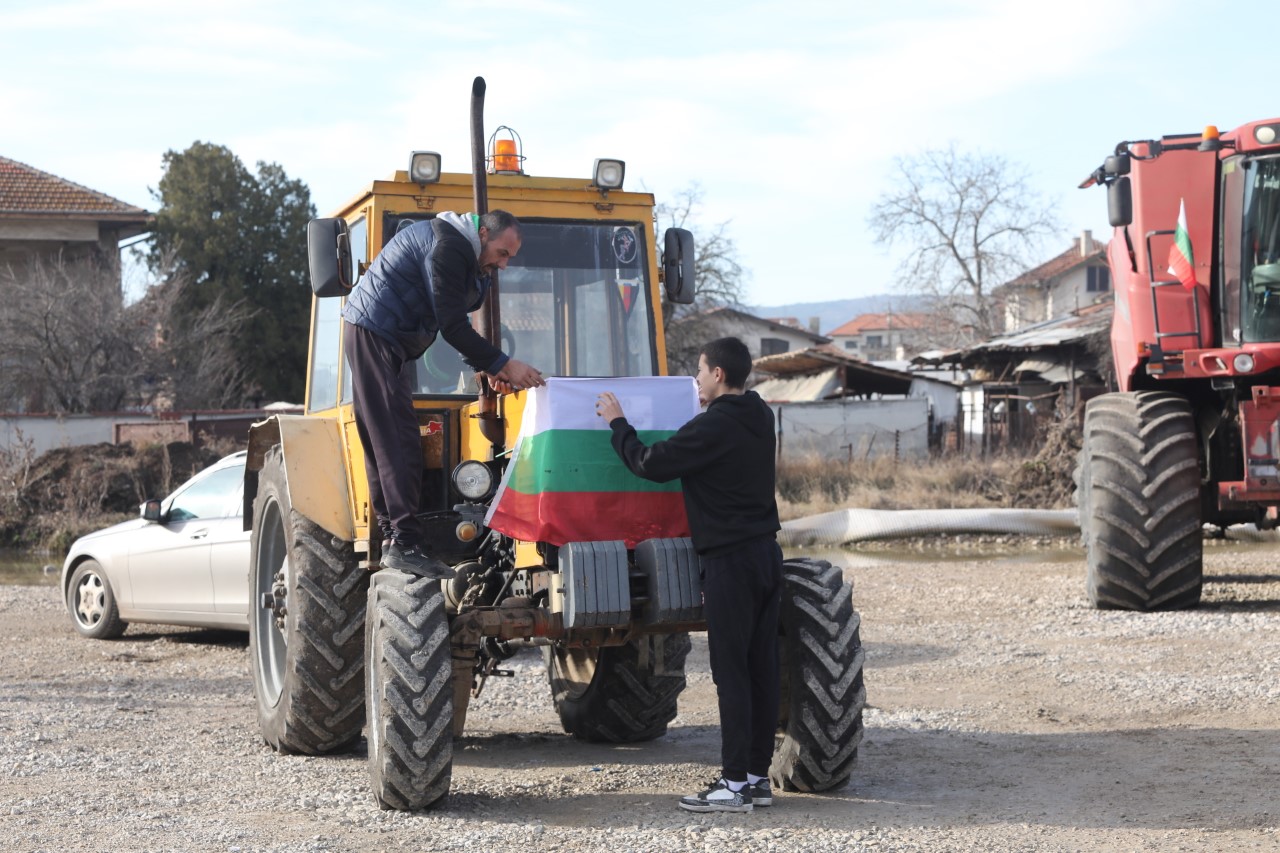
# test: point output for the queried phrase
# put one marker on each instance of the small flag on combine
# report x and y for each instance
(1181, 262)
(564, 482)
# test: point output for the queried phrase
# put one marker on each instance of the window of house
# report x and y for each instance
(1099, 280)
(874, 342)
(850, 344)
(773, 346)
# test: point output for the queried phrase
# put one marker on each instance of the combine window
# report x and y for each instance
(1251, 273)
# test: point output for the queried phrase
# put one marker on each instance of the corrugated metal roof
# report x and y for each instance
(1071, 329)
(802, 388)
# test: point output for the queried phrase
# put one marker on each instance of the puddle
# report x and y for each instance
(26, 568)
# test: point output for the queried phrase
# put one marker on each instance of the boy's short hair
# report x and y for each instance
(730, 355)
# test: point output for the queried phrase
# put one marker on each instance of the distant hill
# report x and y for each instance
(837, 311)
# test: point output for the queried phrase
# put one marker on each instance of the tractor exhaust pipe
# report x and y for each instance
(491, 426)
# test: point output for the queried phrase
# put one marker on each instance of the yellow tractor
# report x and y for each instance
(337, 645)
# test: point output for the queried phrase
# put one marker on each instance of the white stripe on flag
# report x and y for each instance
(649, 402)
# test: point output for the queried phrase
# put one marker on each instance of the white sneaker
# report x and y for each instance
(719, 798)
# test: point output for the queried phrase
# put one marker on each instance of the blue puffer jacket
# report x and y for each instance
(425, 281)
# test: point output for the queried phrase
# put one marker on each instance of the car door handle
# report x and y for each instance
(201, 533)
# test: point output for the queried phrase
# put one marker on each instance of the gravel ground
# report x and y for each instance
(1006, 715)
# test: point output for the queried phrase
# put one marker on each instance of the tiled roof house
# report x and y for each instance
(42, 213)
(1064, 284)
(878, 337)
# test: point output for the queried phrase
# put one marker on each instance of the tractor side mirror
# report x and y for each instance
(329, 257)
(1120, 203)
(677, 265)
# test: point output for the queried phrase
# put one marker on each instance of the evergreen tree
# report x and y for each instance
(241, 238)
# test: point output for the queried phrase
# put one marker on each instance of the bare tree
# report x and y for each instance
(719, 279)
(970, 224)
(70, 344)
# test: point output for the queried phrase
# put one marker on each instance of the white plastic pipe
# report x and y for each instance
(861, 525)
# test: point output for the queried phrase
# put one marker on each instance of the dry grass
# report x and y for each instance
(1040, 481)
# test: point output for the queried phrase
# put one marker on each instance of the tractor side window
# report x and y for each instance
(1231, 204)
(359, 255)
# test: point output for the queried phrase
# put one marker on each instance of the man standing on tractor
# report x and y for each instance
(426, 281)
(724, 458)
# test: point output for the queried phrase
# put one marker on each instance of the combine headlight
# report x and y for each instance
(607, 174)
(473, 480)
(1265, 134)
(424, 167)
(1243, 363)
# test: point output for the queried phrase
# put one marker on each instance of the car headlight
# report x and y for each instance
(473, 480)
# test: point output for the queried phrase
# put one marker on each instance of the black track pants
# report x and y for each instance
(742, 594)
(382, 391)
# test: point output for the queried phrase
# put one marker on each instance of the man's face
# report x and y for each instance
(496, 251)
(708, 384)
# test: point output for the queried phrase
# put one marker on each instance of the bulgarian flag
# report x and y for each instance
(1181, 262)
(564, 482)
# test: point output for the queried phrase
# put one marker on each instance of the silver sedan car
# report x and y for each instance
(184, 562)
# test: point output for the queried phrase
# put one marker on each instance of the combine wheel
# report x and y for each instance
(619, 694)
(409, 691)
(306, 638)
(821, 660)
(1138, 490)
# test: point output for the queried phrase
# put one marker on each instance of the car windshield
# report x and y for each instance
(214, 496)
(574, 302)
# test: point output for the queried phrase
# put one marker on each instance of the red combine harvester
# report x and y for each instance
(1193, 434)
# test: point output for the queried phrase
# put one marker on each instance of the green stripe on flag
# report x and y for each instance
(579, 460)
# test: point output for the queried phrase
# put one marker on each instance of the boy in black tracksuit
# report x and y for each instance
(724, 458)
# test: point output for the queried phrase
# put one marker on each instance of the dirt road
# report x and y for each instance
(1006, 714)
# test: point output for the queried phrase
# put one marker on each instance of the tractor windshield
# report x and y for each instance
(1251, 273)
(574, 302)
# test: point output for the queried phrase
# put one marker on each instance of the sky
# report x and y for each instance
(788, 116)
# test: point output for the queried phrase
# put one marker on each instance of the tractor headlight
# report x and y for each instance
(473, 480)
(1243, 363)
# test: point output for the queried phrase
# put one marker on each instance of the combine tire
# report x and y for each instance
(306, 638)
(619, 694)
(821, 659)
(409, 691)
(1138, 490)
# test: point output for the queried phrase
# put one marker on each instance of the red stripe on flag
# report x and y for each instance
(560, 517)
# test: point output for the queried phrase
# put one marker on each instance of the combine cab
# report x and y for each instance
(1192, 437)
(337, 645)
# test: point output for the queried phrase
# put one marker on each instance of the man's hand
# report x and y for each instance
(608, 407)
(515, 376)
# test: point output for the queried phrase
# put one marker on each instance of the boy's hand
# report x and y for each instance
(608, 407)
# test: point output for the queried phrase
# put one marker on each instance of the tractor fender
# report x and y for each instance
(314, 470)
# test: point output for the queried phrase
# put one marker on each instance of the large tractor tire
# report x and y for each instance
(409, 690)
(1138, 490)
(821, 661)
(306, 637)
(619, 694)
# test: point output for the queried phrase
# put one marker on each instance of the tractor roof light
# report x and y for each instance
(424, 167)
(1209, 140)
(504, 154)
(608, 174)
(1265, 134)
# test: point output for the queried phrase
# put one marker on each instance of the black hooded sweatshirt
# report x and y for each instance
(724, 458)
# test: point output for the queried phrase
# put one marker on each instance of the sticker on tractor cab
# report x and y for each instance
(624, 244)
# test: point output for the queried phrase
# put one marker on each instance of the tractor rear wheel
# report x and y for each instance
(618, 694)
(821, 662)
(1138, 490)
(409, 691)
(306, 637)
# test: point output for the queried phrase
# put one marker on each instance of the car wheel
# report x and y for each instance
(92, 604)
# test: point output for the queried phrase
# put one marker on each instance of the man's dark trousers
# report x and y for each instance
(382, 391)
(742, 594)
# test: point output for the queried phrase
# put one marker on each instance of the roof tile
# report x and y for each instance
(24, 189)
